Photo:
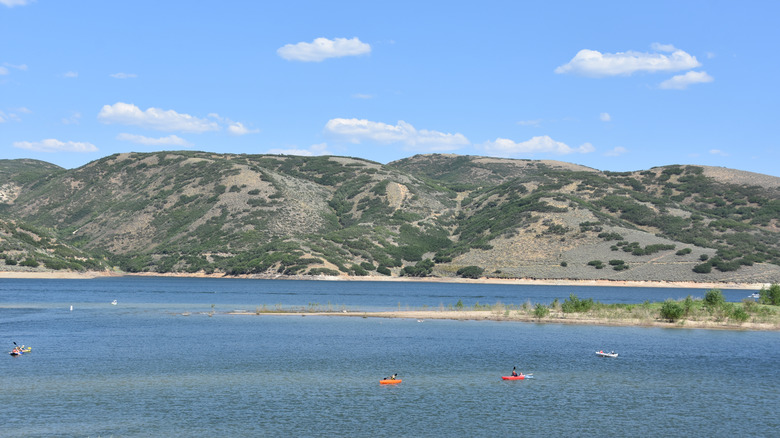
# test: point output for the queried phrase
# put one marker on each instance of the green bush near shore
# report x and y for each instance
(712, 308)
(770, 295)
(672, 310)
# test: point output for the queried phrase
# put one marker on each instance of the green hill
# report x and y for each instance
(424, 215)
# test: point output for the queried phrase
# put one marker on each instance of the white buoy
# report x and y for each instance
(114, 302)
(71, 308)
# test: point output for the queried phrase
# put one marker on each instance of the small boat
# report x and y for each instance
(754, 295)
(520, 377)
(602, 353)
(389, 381)
(113, 302)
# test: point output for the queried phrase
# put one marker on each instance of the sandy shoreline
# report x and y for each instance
(515, 281)
(559, 318)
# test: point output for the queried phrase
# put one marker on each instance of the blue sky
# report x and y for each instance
(613, 85)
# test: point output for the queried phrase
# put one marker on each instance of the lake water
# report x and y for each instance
(143, 368)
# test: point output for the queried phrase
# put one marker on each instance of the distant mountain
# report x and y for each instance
(427, 215)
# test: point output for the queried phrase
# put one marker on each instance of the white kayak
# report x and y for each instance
(605, 354)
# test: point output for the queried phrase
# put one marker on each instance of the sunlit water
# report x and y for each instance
(143, 368)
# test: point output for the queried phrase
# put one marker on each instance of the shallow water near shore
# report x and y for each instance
(142, 368)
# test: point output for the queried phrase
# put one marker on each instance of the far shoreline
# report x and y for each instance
(505, 281)
(553, 318)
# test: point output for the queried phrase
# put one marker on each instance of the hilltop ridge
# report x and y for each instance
(438, 215)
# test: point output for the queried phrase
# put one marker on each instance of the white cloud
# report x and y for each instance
(171, 140)
(71, 74)
(535, 123)
(12, 3)
(363, 96)
(124, 75)
(315, 149)
(154, 118)
(22, 67)
(53, 145)
(4, 117)
(596, 64)
(718, 152)
(238, 128)
(357, 130)
(74, 119)
(663, 47)
(616, 152)
(3, 71)
(323, 48)
(681, 82)
(540, 144)
(605, 117)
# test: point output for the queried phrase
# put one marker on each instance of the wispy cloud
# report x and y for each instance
(4, 68)
(362, 96)
(535, 123)
(593, 63)
(681, 82)
(238, 128)
(615, 152)
(313, 150)
(124, 75)
(536, 145)
(12, 3)
(53, 145)
(13, 114)
(171, 140)
(323, 48)
(70, 74)
(605, 117)
(73, 119)
(359, 130)
(154, 118)
(718, 152)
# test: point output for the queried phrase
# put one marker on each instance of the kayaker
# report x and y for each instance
(514, 372)
(393, 376)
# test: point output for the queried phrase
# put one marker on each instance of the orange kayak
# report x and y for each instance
(389, 382)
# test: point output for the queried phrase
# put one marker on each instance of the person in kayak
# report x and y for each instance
(393, 376)
(514, 372)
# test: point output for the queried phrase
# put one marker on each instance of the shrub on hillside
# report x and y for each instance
(29, 262)
(470, 272)
(598, 264)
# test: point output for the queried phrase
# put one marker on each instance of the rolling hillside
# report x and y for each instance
(427, 215)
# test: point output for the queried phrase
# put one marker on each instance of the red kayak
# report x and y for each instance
(520, 377)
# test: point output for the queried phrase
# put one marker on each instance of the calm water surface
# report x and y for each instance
(142, 368)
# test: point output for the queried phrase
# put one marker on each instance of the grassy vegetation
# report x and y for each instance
(712, 309)
(189, 211)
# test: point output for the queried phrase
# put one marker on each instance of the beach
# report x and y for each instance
(484, 280)
(516, 316)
